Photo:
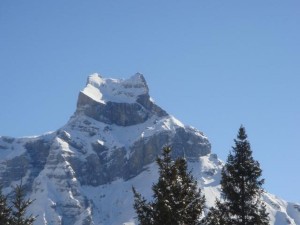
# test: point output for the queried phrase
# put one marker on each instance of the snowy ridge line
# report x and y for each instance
(82, 174)
(105, 90)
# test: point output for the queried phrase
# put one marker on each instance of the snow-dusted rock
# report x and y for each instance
(115, 101)
(82, 173)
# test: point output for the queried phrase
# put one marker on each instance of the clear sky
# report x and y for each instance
(212, 64)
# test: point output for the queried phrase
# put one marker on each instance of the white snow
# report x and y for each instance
(115, 200)
(114, 136)
(14, 149)
(56, 187)
(112, 203)
(105, 90)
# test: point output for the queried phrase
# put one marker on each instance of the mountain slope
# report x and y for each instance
(83, 172)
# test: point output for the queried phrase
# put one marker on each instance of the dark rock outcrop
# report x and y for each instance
(96, 147)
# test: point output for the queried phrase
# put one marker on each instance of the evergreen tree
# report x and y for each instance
(20, 206)
(217, 215)
(241, 188)
(143, 209)
(5, 210)
(177, 200)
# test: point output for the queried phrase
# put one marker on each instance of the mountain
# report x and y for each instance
(83, 173)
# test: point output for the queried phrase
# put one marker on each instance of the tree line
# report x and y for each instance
(178, 201)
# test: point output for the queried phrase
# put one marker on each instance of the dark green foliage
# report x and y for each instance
(20, 206)
(177, 200)
(16, 213)
(217, 215)
(143, 209)
(241, 188)
(5, 210)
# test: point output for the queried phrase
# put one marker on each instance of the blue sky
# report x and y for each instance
(212, 64)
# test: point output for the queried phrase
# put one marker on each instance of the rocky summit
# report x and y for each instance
(82, 173)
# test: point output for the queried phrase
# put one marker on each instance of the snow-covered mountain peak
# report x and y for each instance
(83, 173)
(124, 102)
(105, 90)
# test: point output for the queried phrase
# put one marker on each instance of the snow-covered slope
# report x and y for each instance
(83, 173)
(117, 196)
(114, 90)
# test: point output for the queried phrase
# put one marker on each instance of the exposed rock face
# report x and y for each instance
(103, 165)
(29, 163)
(127, 113)
(82, 174)
(116, 131)
(102, 103)
(122, 114)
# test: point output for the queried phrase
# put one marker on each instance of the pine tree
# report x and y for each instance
(241, 188)
(217, 215)
(143, 209)
(20, 206)
(5, 210)
(177, 200)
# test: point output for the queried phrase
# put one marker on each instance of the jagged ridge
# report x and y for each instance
(83, 172)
